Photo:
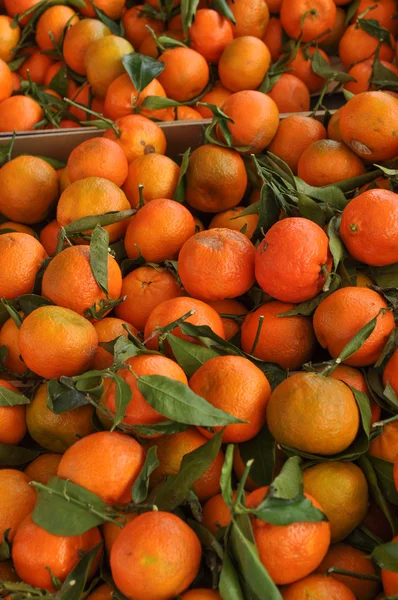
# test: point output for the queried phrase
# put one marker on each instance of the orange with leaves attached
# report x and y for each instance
(301, 66)
(122, 99)
(308, 19)
(53, 24)
(357, 45)
(109, 329)
(136, 24)
(320, 587)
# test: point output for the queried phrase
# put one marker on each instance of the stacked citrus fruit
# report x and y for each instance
(72, 63)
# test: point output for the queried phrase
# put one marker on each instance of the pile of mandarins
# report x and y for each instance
(68, 63)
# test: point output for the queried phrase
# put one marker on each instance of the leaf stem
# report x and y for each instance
(362, 576)
(258, 332)
(109, 122)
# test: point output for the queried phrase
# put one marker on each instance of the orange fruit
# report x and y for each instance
(385, 446)
(159, 230)
(9, 338)
(35, 67)
(68, 280)
(215, 514)
(112, 8)
(210, 33)
(390, 578)
(217, 95)
(334, 132)
(319, 587)
(106, 463)
(301, 66)
(307, 18)
(216, 179)
(148, 45)
(288, 341)
(354, 378)
(135, 24)
(251, 17)
(145, 289)
(56, 432)
(230, 219)
(244, 64)
(351, 559)
(6, 83)
(305, 130)
(98, 157)
(287, 280)
(217, 264)
(38, 554)
(272, 38)
(357, 45)
(9, 37)
(362, 73)
(93, 196)
(17, 228)
(201, 594)
(379, 183)
(229, 307)
(289, 552)
(17, 500)
(326, 162)
(77, 40)
(367, 125)
(29, 189)
(331, 41)
(342, 490)
(21, 257)
(171, 310)
(103, 592)
(382, 11)
(298, 415)
(108, 329)
(342, 314)
(123, 99)
(172, 449)
(185, 75)
(49, 237)
(290, 94)
(52, 71)
(138, 136)
(103, 61)
(56, 341)
(17, 7)
(138, 411)
(84, 96)
(12, 419)
(258, 133)
(111, 531)
(43, 468)
(157, 173)
(371, 239)
(156, 555)
(235, 385)
(186, 113)
(54, 20)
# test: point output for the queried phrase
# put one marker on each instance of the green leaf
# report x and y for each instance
(189, 356)
(122, 399)
(179, 194)
(335, 245)
(5, 546)
(29, 302)
(330, 194)
(226, 476)
(309, 209)
(229, 585)
(386, 556)
(352, 9)
(99, 257)
(269, 208)
(188, 11)
(384, 473)
(358, 340)
(87, 223)
(64, 508)
(261, 449)
(382, 76)
(391, 396)
(141, 484)
(363, 539)
(373, 28)
(278, 511)
(114, 27)
(10, 398)
(157, 102)
(389, 348)
(171, 493)
(386, 277)
(16, 63)
(63, 396)
(347, 95)
(253, 572)
(222, 7)
(207, 539)
(175, 400)
(74, 584)
(59, 83)
(142, 69)
(162, 428)
(322, 68)
(377, 495)
(289, 482)
(15, 456)
(14, 314)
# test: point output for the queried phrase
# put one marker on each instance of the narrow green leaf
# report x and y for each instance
(179, 194)
(269, 208)
(63, 396)
(75, 583)
(226, 476)
(322, 68)
(189, 356)
(114, 27)
(188, 11)
(384, 473)
(386, 556)
(280, 512)
(308, 308)
(99, 257)
(352, 9)
(377, 494)
(382, 76)
(14, 314)
(209, 338)
(142, 69)
(87, 223)
(29, 302)
(59, 83)
(141, 484)
(358, 340)
(229, 581)
(309, 209)
(289, 482)
(330, 195)
(15, 456)
(10, 398)
(373, 28)
(222, 7)
(335, 245)
(175, 400)
(157, 102)
(207, 539)
(5, 546)
(162, 428)
(122, 399)
(261, 449)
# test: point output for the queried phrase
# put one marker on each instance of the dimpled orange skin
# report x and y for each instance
(354, 307)
(183, 84)
(256, 133)
(321, 17)
(17, 499)
(37, 554)
(290, 258)
(326, 162)
(98, 157)
(12, 419)
(158, 174)
(43, 468)
(210, 33)
(106, 463)
(390, 578)
(385, 445)
(156, 556)
(217, 264)
(299, 415)
(138, 136)
(21, 257)
(289, 552)
(10, 37)
(288, 341)
(71, 342)
(171, 451)
(138, 411)
(237, 386)
(216, 514)
(244, 64)
(369, 125)
(369, 227)
(68, 280)
(93, 196)
(357, 45)
(320, 587)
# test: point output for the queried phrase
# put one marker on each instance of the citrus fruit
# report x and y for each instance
(17, 500)
(326, 162)
(12, 418)
(157, 174)
(21, 257)
(98, 157)
(319, 587)
(43, 468)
